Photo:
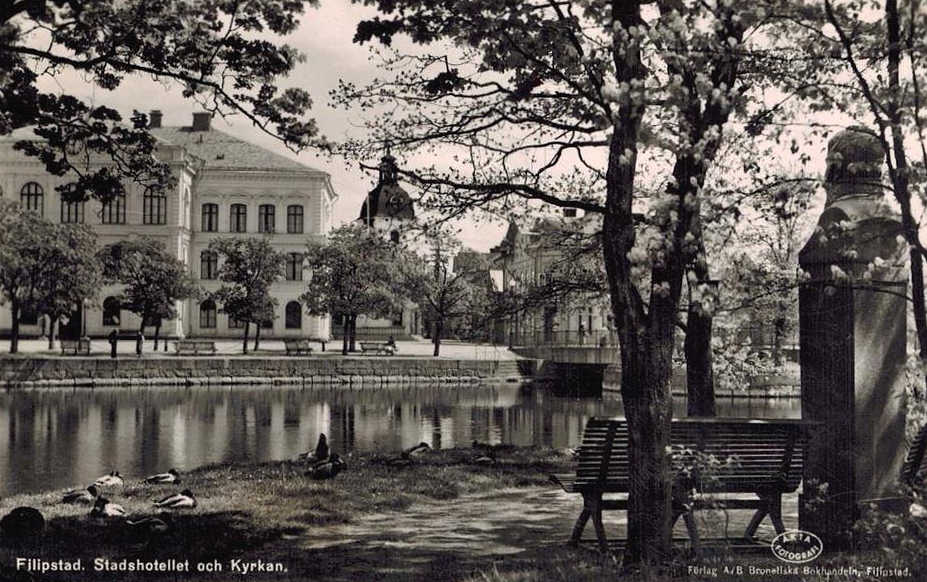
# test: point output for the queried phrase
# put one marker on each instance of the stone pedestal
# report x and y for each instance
(853, 347)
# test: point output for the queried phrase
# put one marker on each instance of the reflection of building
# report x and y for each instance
(551, 256)
(387, 208)
(225, 187)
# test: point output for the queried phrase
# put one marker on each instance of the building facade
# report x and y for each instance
(224, 187)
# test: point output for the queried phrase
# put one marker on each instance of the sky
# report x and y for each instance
(325, 38)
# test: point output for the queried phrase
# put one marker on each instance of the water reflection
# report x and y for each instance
(54, 439)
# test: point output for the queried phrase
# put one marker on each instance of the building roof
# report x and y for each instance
(388, 199)
(221, 151)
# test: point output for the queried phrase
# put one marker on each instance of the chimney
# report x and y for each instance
(154, 119)
(201, 121)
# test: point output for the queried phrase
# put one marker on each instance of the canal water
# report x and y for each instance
(61, 438)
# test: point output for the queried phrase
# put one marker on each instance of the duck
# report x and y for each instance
(104, 508)
(319, 454)
(172, 476)
(152, 525)
(327, 469)
(81, 495)
(406, 457)
(114, 479)
(182, 500)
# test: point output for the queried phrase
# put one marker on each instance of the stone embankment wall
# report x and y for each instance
(785, 385)
(77, 371)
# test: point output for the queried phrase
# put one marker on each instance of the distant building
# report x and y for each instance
(225, 188)
(529, 259)
(388, 209)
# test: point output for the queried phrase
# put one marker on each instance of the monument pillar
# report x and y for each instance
(852, 313)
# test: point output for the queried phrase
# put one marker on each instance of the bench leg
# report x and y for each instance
(755, 522)
(579, 526)
(599, 526)
(692, 530)
(775, 513)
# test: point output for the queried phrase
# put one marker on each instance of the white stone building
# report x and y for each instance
(225, 187)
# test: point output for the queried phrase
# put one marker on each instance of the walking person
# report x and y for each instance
(113, 340)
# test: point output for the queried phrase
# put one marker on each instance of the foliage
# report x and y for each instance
(154, 280)
(44, 267)
(353, 272)
(247, 268)
(219, 53)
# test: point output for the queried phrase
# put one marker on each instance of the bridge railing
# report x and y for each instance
(566, 339)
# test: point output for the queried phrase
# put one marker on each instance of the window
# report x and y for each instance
(154, 208)
(394, 236)
(208, 314)
(294, 267)
(239, 218)
(111, 311)
(338, 319)
(294, 315)
(72, 212)
(209, 265)
(31, 197)
(266, 218)
(114, 211)
(294, 219)
(235, 323)
(397, 319)
(210, 217)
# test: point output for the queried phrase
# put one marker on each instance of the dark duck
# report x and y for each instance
(87, 495)
(172, 476)
(407, 457)
(327, 469)
(319, 454)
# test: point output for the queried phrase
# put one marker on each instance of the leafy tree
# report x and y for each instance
(354, 272)
(442, 294)
(70, 276)
(220, 53)
(154, 280)
(247, 268)
(602, 106)
(44, 267)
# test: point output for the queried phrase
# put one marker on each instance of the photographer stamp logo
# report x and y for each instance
(797, 546)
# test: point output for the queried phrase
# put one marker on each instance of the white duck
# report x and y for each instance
(114, 479)
(172, 476)
(182, 500)
(103, 508)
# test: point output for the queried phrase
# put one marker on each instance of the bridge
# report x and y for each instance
(572, 360)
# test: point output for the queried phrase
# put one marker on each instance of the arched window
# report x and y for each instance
(72, 212)
(294, 315)
(209, 265)
(154, 206)
(31, 197)
(294, 267)
(210, 218)
(114, 211)
(111, 311)
(294, 219)
(238, 220)
(266, 218)
(208, 314)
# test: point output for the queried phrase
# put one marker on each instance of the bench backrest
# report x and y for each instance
(914, 470)
(710, 454)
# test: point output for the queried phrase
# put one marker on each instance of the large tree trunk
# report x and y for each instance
(257, 336)
(700, 377)
(51, 332)
(157, 336)
(14, 332)
(244, 344)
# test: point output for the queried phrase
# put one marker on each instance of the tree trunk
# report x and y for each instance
(51, 332)
(244, 345)
(700, 377)
(14, 332)
(353, 337)
(140, 340)
(438, 329)
(257, 336)
(157, 335)
(345, 332)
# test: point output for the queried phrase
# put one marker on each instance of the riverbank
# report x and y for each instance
(264, 514)
(38, 371)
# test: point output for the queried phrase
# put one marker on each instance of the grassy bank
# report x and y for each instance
(257, 512)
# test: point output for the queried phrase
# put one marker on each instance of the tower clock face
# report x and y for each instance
(395, 202)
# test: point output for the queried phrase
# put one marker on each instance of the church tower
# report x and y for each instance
(388, 207)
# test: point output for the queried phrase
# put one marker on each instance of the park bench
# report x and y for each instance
(194, 347)
(297, 346)
(760, 457)
(75, 346)
(377, 348)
